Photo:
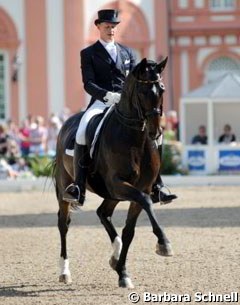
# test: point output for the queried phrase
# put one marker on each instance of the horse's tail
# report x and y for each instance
(53, 174)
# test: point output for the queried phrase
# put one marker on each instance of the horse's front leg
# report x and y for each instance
(126, 191)
(127, 237)
(63, 225)
(105, 212)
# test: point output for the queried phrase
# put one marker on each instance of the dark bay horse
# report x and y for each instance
(125, 167)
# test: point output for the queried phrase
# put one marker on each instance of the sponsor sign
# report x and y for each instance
(229, 160)
(196, 160)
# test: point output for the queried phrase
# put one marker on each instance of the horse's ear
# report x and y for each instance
(143, 61)
(161, 66)
(143, 64)
(140, 67)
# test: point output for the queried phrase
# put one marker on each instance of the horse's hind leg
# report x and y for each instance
(127, 237)
(63, 225)
(105, 212)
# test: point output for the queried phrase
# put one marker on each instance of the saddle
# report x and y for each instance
(93, 132)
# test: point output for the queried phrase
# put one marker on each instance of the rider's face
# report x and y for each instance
(107, 31)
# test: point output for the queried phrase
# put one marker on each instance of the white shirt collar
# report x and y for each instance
(107, 44)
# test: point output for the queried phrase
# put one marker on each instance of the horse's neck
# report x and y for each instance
(126, 108)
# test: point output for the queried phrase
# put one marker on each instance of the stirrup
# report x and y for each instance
(73, 200)
(163, 186)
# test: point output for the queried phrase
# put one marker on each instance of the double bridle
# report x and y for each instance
(140, 124)
(154, 111)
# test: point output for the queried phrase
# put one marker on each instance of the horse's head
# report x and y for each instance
(148, 94)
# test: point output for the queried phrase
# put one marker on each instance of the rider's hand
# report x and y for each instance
(112, 98)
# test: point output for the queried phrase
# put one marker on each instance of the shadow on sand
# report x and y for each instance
(193, 217)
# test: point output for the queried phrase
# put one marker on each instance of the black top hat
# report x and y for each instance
(110, 16)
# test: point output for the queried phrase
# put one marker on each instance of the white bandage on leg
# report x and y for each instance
(96, 108)
(64, 266)
(117, 247)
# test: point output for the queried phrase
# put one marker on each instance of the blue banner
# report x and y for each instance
(229, 160)
(196, 160)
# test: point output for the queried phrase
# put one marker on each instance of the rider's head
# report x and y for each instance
(106, 23)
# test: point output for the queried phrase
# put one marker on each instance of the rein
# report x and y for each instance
(131, 123)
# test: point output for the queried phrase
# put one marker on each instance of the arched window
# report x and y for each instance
(221, 66)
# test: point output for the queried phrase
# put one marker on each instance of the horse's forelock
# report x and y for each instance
(144, 66)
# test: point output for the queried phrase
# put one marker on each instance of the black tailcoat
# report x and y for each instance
(101, 74)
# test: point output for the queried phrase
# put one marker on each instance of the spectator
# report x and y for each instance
(20, 166)
(12, 130)
(38, 137)
(169, 136)
(13, 151)
(24, 134)
(201, 137)
(6, 170)
(53, 131)
(228, 136)
(172, 117)
(3, 141)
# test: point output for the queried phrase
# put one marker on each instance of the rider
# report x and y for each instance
(105, 65)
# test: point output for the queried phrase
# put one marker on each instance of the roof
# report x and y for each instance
(226, 86)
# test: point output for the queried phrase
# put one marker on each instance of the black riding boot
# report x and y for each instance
(157, 194)
(75, 192)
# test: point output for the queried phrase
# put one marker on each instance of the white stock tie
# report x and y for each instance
(112, 50)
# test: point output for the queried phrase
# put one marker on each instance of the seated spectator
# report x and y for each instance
(201, 137)
(20, 165)
(228, 136)
(13, 152)
(6, 170)
(3, 141)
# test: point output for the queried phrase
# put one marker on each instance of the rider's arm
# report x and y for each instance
(88, 77)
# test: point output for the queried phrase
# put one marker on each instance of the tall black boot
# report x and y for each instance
(157, 195)
(75, 192)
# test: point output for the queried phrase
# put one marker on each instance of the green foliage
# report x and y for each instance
(40, 166)
(170, 160)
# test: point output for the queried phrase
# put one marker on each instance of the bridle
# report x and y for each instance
(140, 124)
(158, 110)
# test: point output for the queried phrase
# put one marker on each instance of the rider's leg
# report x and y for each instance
(157, 194)
(75, 192)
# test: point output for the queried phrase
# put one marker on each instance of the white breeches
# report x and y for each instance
(96, 108)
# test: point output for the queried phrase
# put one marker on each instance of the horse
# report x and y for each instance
(124, 166)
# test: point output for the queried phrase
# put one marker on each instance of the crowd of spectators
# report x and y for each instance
(33, 137)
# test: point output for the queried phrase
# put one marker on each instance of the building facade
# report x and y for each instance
(40, 43)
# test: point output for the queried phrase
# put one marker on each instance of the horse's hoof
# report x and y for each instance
(126, 283)
(164, 250)
(113, 262)
(65, 278)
